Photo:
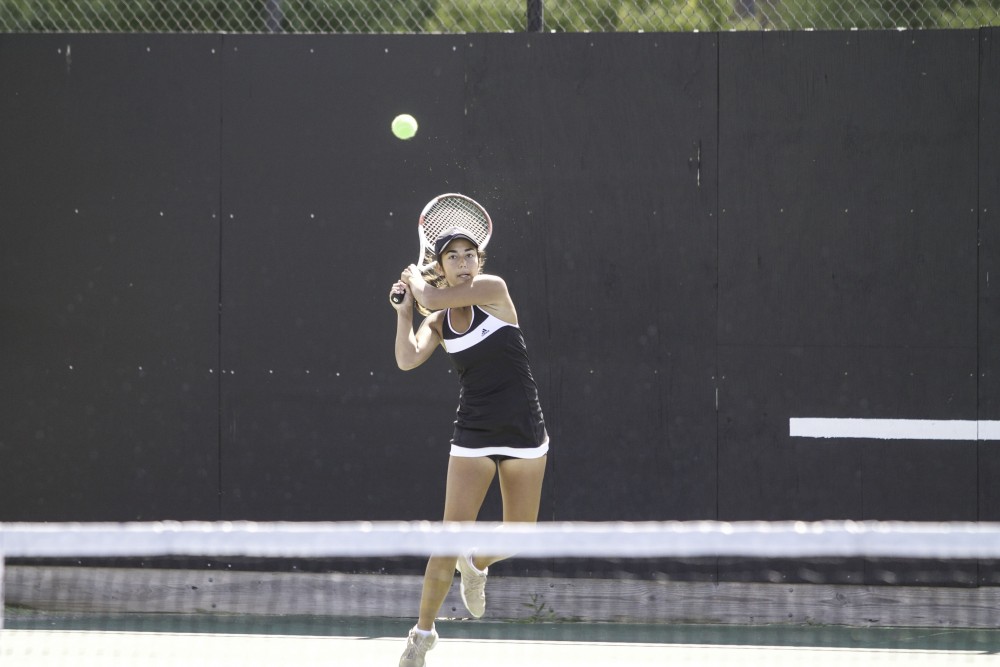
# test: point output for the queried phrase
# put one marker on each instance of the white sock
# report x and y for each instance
(424, 633)
(472, 561)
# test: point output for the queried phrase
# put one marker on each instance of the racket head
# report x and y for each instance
(450, 210)
(444, 213)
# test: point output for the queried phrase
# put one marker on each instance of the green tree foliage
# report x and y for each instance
(680, 16)
(492, 15)
(357, 15)
(130, 15)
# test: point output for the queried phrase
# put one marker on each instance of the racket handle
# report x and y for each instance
(397, 297)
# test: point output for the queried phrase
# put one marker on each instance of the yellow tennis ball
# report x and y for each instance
(404, 126)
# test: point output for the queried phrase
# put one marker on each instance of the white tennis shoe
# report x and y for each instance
(417, 646)
(473, 586)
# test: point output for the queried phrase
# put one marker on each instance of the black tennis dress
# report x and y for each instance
(498, 408)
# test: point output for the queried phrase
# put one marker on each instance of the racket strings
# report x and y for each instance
(455, 212)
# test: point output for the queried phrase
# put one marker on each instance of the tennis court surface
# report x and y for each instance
(462, 644)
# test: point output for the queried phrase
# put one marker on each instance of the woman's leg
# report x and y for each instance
(469, 480)
(521, 489)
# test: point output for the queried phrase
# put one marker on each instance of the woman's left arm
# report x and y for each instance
(483, 290)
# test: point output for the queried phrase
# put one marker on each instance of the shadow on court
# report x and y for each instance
(876, 638)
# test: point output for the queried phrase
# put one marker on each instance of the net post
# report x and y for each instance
(536, 15)
(3, 558)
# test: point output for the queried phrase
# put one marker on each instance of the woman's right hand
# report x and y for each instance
(401, 292)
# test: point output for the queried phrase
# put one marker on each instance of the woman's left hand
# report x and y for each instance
(406, 274)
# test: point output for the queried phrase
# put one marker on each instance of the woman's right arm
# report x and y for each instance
(413, 347)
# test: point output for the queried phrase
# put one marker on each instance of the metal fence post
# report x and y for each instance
(536, 16)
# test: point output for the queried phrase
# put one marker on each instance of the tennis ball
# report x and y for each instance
(404, 126)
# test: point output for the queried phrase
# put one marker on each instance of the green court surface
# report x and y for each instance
(165, 640)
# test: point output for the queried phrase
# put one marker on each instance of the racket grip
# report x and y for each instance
(397, 297)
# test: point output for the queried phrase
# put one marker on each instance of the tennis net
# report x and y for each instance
(592, 593)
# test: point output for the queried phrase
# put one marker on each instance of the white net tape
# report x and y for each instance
(559, 539)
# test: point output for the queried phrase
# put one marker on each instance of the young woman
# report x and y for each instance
(499, 424)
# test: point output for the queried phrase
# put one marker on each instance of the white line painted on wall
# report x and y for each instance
(894, 429)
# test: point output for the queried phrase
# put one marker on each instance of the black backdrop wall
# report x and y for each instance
(706, 235)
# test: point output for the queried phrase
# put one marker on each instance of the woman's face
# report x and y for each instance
(460, 261)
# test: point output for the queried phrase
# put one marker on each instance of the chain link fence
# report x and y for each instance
(449, 16)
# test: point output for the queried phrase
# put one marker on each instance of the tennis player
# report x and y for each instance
(499, 424)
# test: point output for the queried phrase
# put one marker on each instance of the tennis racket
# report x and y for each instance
(441, 214)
